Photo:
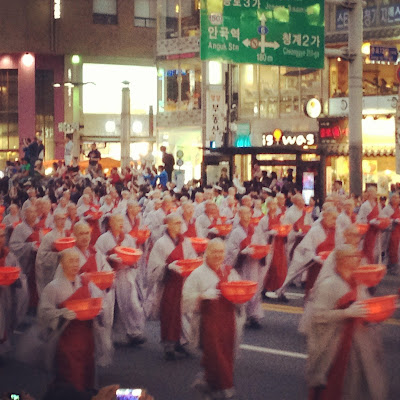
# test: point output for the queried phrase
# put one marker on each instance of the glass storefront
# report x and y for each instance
(179, 85)
(273, 92)
(9, 139)
(378, 79)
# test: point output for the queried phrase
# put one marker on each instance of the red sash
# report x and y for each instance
(247, 240)
(299, 224)
(91, 263)
(191, 230)
(394, 239)
(327, 245)
(277, 271)
(170, 310)
(217, 338)
(370, 236)
(42, 222)
(353, 218)
(337, 372)
(94, 224)
(35, 235)
(75, 349)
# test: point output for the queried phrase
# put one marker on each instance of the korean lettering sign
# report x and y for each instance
(370, 18)
(271, 32)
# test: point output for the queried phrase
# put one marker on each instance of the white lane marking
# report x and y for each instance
(273, 351)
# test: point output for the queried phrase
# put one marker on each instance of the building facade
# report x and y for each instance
(267, 104)
(42, 85)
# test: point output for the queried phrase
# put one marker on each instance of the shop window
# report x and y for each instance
(168, 15)
(310, 84)
(190, 17)
(289, 90)
(269, 91)
(44, 104)
(249, 90)
(179, 86)
(105, 12)
(9, 139)
(145, 13)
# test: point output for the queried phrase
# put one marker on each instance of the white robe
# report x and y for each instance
(292, 215)
(198, 282)
(13, 304)
(130, 315)
(364, 377)
(24, 251)
(49, 314)
(157, 269)
(304, 254)
(362, 216)
(47, 259)
(199, 209)
(343, 221)
(202, 224)
(156, 223)
(249, 269)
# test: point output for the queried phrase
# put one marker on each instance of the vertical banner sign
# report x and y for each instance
(272, 32)
(398, 133)
(216, 112)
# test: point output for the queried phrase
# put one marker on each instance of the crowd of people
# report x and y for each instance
(102, 213)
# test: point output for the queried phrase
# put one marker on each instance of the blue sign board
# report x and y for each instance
(372, 17)
(381, 53)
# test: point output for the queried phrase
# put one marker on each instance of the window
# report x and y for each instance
(145, 13)
(9, 139)
(44, 105)
(105, 12)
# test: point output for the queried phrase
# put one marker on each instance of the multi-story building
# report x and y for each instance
(269, 103)
(65, 61)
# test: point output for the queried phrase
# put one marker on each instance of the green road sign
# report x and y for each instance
(271, 32)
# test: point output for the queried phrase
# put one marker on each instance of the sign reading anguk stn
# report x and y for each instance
(272, 32)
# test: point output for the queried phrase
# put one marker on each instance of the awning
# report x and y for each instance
(300, 72)
(369, 34)
(343, 150)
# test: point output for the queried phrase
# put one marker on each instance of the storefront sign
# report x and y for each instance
(382, 53)
(279, 138)
(270, 32)
(216, 111)
(372, 105)
(372, 17)
(333, 130)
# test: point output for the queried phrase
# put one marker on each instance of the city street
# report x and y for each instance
(271, 364)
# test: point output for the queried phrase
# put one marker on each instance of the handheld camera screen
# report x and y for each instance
(129, 394)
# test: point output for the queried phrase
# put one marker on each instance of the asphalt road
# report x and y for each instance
(270, 365)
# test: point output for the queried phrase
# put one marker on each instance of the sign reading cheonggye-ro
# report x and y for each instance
(272, 32)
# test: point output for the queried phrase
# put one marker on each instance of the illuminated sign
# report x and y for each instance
(285, 139)
(333, 130)
(313, 108)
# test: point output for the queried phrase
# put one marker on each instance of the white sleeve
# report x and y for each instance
(156, 264)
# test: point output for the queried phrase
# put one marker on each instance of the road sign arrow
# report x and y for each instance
(246, 42)
(271, 45)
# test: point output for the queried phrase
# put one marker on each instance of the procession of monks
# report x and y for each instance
(345, 356)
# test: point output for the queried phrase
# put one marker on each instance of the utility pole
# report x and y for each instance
(126, 126)
(355, 97)
(352, 53)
